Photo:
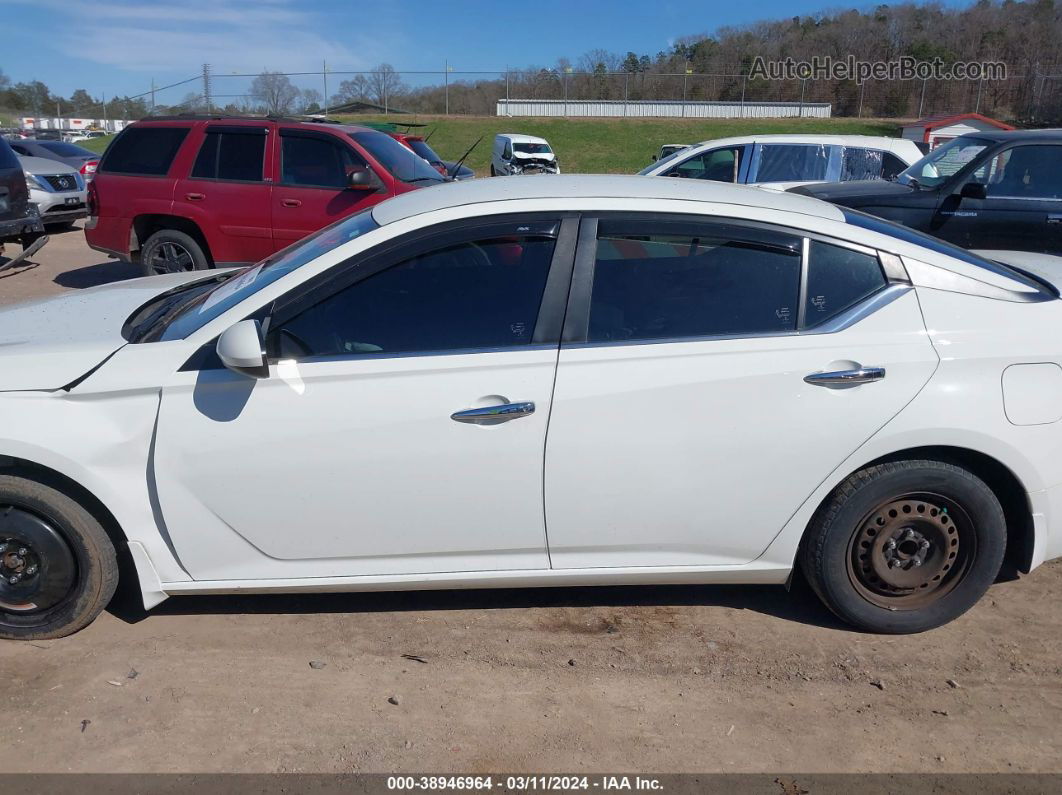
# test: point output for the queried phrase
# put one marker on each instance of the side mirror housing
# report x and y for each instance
(241, 348)
(363, 179)
(974, 190)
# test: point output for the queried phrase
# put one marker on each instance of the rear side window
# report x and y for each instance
(231, 155)
(7, 157)
(791, 162)
(147, 151)
(838, 278)
(654, 280)
(891, 166)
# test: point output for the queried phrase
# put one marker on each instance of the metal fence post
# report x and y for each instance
(803, 87)
(324, 77)
(862, 88)
(922, 99)
(626, 83)
(744, 81)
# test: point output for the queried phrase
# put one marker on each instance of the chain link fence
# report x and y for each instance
(1033, 98)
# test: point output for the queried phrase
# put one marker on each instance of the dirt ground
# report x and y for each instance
(673, 679)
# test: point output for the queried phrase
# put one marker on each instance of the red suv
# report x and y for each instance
(194, 192)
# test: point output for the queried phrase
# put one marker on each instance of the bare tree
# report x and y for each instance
(384, 83)
(275, 93)
(310, 100)
(357, 88)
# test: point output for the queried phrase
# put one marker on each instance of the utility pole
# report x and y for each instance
(685, 76)
(803, 86)
(206, 88)
(744, 82)
(324, 77)
(104, 111)
(567, 71)
(980, 85)
(922, 99)
(862, 87)
(506, 89)
(153, 96)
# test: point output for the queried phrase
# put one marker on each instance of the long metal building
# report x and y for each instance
(672, 109)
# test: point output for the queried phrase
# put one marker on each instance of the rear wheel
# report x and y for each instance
(170, 251)
(58, 568)
(905, 546)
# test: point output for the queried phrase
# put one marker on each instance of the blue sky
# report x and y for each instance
(118, 46)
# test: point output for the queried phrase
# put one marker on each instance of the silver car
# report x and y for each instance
(57, 189)
(84, 160)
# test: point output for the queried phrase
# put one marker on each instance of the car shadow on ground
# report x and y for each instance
(799, 604)
(95, 275)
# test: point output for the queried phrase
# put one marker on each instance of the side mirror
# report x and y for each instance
(362, 179)
(974, 190)
(242, 349)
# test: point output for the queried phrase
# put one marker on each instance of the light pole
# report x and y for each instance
(567, 71)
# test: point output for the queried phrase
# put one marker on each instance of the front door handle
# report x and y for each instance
(862, 375)
(1054, 218)
(291, 202)
(495, 414)
(195, 197)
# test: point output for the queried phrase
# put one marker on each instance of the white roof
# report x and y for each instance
(594, 186)
(520, 138)
(783, 138)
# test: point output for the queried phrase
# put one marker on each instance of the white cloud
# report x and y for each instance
(231, 35)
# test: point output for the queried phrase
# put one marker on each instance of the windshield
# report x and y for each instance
(533, 149)
(943, 162)
(199, 307)
(404, 164)
(425, 151)
(65, 150)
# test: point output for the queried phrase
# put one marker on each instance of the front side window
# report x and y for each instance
(180, 314)
(655, 280)
(943, 162)
(507, 153)
(482, 293)
(231, 155)
(1024, 172)
(146, 151)
(838, 278)
(317, 162)
(791, 162)
(717, 165)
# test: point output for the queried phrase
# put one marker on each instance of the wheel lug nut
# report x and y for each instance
(31, 570)
(890, 544)
(14, 578)
(924, 544)
(916, 562)
(22, 551)
(910, 533)
(894, 564)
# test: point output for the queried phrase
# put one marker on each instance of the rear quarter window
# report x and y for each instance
(147, 151)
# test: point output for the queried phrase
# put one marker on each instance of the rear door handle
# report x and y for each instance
(291, 202)
(195, 197)
(863, 375)
(495, 414)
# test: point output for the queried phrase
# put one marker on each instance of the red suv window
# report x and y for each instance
(147, 151)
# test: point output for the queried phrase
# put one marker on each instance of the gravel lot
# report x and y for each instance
(628, 679)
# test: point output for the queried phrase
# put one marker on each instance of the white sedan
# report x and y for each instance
(574, 381)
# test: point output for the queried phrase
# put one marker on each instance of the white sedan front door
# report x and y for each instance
(371, 448)
(694, 418)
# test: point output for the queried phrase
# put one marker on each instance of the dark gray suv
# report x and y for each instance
(19, 221)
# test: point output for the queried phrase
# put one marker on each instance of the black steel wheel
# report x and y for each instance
(58, 567)
(905, 546)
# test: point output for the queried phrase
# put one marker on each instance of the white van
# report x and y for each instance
(522, 154)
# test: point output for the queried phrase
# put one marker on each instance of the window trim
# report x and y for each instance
(577, 319)
(1003, 151)
(551, 310)
(230, 130)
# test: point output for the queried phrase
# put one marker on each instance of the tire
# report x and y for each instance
(66, 563)
(170, 251)
(860, 549)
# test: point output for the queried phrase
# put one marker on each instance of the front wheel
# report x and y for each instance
(58, 568)
(170, 251)
(905, 546)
